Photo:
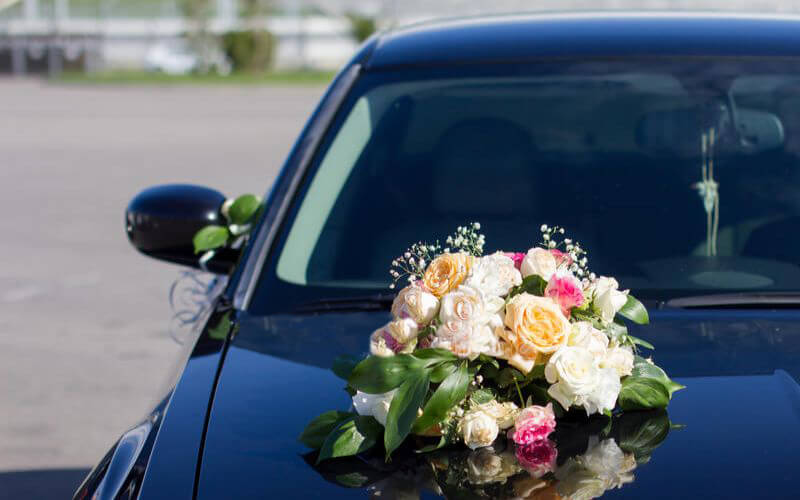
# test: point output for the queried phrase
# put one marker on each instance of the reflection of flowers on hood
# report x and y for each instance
(604, 466)
(538, 457)
(484, 466)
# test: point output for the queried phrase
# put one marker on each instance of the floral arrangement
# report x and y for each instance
(482, 346)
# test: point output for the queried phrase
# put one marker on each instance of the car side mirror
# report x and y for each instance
(162, 220)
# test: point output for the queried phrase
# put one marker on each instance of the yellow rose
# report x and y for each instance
(446, 272)
(537, 327)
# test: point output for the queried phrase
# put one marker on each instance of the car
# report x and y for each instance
(667, 144)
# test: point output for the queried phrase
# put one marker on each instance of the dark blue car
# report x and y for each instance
(602, 124)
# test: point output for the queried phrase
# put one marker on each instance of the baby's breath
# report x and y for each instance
(411, 265)
(578, 262)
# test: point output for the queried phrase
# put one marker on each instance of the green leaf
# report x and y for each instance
(617, 331)
(221, 329)
(351, 437)
(352, 480)
(482, 396)
(484, 359)
(641, 342)
(243, 208)
(441, 372)
(634, 311)
(644, 369)
(432, 355)
(409, 397)
(449, 393)
(433, 447)
(209, 238)
(507, 376)
(376, 374)
(318, 429)
(532, 284)
(642, 432)
(640, 393)
(343, 366)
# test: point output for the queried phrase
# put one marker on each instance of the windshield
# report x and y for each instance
(680, 177)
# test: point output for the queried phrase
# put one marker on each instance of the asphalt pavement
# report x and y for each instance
(84, 345)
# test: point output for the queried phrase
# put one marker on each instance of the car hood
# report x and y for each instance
(735, 432)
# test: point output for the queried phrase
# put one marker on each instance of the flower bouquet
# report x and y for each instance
(487, 345)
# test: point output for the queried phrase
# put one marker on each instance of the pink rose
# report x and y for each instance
(533, 423)
(562, 258)
(566, 291)
(516, 257)
(538, 458)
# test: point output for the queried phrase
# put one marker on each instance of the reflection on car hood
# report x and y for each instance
(740, 411)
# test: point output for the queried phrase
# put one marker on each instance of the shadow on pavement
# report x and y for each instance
(44, 484)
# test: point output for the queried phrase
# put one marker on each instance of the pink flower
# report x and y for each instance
(561, 257)
(566, 291)
(538, 458)
(517, 257)
(534, 423)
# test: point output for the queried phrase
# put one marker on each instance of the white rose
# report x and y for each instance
(604, 396)
(620, 359)
(378, 345)
(478, 429)
(494, 275)
(504, 413)
(574, 375)
(415, 303)
(540, 262)
(403, 330)
(466, 339)
(607, 298)
(373, 405)
(583, 334)
(469, 304)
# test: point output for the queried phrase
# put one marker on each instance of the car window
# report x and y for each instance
(613, 151)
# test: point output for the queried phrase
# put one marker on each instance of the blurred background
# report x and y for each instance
(102, 98)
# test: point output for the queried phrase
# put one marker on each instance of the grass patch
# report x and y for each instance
(147, 78)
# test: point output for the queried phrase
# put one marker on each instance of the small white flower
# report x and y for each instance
(373, 405)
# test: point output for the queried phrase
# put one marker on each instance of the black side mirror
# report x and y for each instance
(162, 220)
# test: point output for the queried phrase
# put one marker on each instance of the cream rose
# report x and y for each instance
(446, 272)
(583, 334)
(494, 275)
(467, 339)
(505, 414)
(478, 429)
(536, 327)
(606, 298)
(574, 375)
(403, 330)
(469, 304)
(373, 405)
(540, 262)
(620, 359)
(415, 303)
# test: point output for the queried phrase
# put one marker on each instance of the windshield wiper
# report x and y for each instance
(758, 300)
(380, 302)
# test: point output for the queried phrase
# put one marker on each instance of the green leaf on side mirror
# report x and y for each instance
(449, 393)
(351, 437)
(318, 429)
(634, 311)
(407, 401)
(209, 238)
(639, 393)
(243, 208)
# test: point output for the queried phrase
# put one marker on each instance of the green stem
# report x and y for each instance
(519, 393)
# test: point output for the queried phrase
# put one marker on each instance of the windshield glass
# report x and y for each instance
(680, 177)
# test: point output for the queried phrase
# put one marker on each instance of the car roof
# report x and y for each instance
(592, 34)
